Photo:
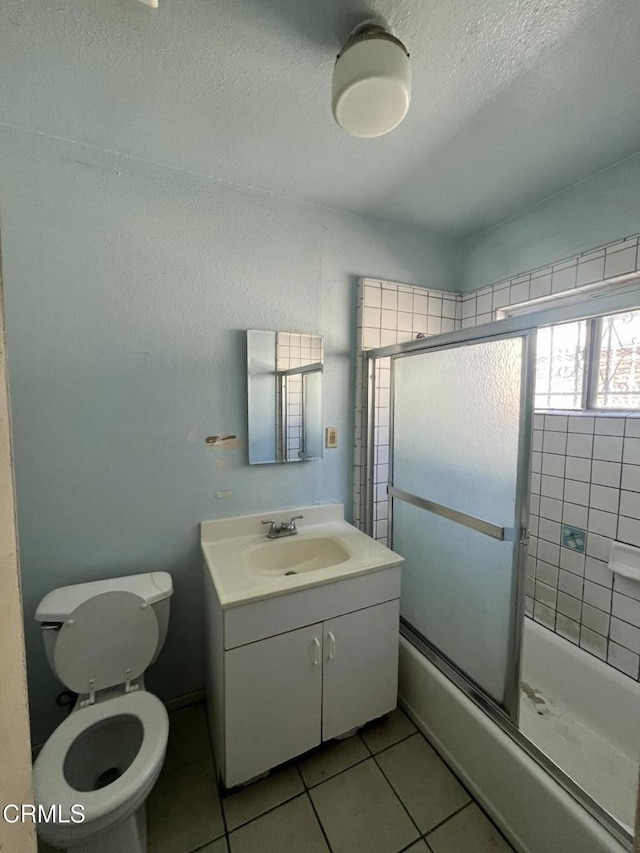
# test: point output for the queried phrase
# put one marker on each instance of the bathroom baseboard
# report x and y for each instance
(183, 701)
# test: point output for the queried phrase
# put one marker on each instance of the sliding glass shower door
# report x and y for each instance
(460, 451)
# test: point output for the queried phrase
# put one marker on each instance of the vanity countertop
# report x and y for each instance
(233, 547)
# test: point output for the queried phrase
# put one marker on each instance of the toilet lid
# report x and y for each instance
(102, 639)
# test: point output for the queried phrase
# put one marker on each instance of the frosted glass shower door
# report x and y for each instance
(458, 441)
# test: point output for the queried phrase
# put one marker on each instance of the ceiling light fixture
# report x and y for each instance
(371, 89)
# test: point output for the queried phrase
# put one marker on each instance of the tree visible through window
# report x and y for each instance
(590, 364)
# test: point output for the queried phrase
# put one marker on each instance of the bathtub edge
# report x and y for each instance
(488, 761)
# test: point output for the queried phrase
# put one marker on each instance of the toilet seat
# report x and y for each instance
(51, 787)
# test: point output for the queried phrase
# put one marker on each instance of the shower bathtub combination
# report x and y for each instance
(545, 735)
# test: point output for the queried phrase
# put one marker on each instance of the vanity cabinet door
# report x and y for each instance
(273, 700)
(360, 671)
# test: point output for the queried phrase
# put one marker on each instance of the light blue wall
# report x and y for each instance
(599, 210)
(128, 291)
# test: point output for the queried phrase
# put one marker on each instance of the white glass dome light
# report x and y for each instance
(371, 89)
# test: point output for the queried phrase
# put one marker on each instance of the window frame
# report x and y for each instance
(617, 295)
(592, 351)
(592, 358)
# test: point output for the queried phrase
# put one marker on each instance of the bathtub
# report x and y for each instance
(533, 810)
(585, 715)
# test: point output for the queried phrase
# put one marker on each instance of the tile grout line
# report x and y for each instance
(371, 755)
(338, 773)
(207, 843)
(398, 797)
(391, 745)
(472, 799)
(305, 791)
(447, 819)
(412, 843)
(359, 761)
(472, 802)
(211, 754)
(224, 817)
(317, 816)
(446, 763)
(266, 811)
(208, 754)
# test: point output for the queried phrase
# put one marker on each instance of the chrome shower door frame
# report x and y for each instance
(510, 706)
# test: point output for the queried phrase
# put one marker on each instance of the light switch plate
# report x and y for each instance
(331, 437)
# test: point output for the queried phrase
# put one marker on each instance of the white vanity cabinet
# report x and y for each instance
(360, 667)
(290, 671)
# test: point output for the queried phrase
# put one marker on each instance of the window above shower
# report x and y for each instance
(590, 365)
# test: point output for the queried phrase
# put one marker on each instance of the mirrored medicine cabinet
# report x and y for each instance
(284, 391)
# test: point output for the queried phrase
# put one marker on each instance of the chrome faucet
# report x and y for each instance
(276, 531)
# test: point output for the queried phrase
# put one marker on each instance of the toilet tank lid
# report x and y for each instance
(58, 604)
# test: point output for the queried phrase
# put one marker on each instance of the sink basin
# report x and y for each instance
(245, 566)
(295, 556)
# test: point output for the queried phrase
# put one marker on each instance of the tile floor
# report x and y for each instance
(383, 790)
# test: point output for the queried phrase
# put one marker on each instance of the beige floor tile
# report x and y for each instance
(360, 813)
(258, 798)
(43, 847)
(331, 759)
(387, 731)
(418, 847)
(183, 811)
(188, 736)
(470, 831)
(219, 846)
(291, 828)
(423, 781)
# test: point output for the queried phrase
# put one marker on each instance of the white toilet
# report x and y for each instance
(100, 637)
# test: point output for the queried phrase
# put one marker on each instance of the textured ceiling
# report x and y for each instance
(513, 99)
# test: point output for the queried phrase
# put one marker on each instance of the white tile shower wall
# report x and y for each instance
(592, 483)
(586, 474)
(608, 261)
(389, 313)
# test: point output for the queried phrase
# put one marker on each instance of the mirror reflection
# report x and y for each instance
(284, 389)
